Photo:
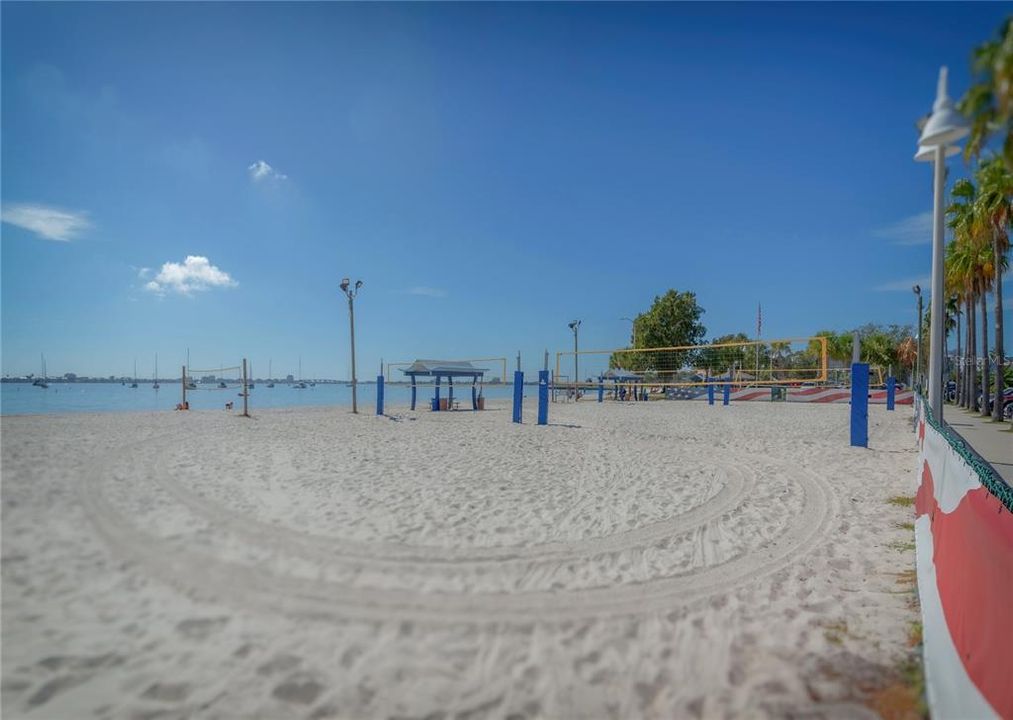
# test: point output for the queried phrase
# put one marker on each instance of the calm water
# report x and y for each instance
(23, 398)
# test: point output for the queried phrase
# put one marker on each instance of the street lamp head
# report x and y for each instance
(946, 125)
(917, 289)
(358, 284)
(344, 284)
(927, 153)
(574, 325)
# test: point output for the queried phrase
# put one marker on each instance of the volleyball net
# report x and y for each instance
(218, 378)
(496, 370)
(789, 361)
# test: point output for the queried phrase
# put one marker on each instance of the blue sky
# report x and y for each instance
(491, 172)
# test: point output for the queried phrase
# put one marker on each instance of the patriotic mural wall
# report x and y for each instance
(964, 550)
(801, 394)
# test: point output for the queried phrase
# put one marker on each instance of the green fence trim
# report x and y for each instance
(986, 473)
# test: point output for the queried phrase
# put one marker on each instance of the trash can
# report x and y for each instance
(777, 394)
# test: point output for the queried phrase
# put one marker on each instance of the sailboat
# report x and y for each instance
(156, 385)
(270, 376)
(134, 383)
(41, 382)
(300, 385)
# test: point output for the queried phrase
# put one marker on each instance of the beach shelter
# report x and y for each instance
(449, 369)
(619, 376)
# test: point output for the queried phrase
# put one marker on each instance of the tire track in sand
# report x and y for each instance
(254, 587)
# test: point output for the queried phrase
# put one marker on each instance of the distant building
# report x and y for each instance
(69, 377)
(289, 378)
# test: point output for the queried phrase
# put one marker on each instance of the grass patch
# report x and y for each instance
(835, 632)
(910, 527)
(901, 501)
(902, 546)
(914, 634)
(908, 577)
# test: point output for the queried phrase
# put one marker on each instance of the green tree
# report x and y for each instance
(718, 359)
(672, 321)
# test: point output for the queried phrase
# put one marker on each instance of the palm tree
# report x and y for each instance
(989, 102)
(994, 210)
(962, 272)
(953, 314)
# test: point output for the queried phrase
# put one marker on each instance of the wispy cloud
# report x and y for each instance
(47, 222)
(261, 171)
(905, 285)
(426, 291)
(914, 230)
(194, 274)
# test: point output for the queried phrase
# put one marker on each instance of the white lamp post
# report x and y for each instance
(351, 291)
(944, 127)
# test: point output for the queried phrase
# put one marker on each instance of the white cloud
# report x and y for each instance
(905, 285)
(194, 274)
(260, 170)
(914, 230)
(47, 222)
(426, 291)
(143, 272)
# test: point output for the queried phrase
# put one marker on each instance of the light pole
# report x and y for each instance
(575, 326)
(351, 292)
(944, 127)
(918, 347)
(634, 324)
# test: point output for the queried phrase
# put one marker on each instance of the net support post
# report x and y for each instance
(601, 390)
(379, 394)
(859, 405)
(414, 389)
(518, 395)
(543, 397)
(436, 396)
(474, 396)
(891, 392)
(183, 404)
(726, 393)
(710, 393)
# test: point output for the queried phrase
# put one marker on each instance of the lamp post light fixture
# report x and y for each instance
(575, 326)
(917, 289)
(944, 127)
(351, 292)
(633, 323)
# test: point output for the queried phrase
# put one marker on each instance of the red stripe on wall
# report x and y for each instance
(974, 571)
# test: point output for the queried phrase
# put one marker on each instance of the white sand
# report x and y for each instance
(667, 559)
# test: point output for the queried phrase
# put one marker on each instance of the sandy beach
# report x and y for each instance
(664, 559)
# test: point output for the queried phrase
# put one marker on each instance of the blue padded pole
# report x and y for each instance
(436, 401)
(543, 397)
(601, 389)
(710, 392)
(860, 405)
(891, 391)
(413, 392)
(726, 393)
(379, 394)
(450, 392)
(518, 395)
(474, 396)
